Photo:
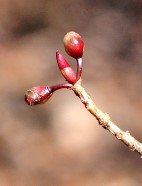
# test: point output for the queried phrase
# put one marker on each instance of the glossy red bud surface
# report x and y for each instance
(74, 44)
(62, 62)
(38, 95)
(65, 68)
(69, 75)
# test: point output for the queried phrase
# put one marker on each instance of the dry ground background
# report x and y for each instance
(60, 143)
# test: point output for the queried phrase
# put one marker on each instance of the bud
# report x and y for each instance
(74, 44)
(38, 95)
(65, 68)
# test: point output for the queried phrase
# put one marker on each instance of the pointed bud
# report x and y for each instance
(38, 95)
(74, 44)
(65, 68)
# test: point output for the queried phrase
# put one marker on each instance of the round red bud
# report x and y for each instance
(74, 44)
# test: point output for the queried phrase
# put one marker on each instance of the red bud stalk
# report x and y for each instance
(60, 86)
(79, 68)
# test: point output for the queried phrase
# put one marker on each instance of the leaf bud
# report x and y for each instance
(38, 95)
(65, 68)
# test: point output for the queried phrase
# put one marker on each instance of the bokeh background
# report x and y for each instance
(60, 143)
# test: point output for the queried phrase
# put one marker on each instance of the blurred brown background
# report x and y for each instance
(60, 143)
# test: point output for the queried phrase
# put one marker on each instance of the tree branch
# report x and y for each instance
(104, 119)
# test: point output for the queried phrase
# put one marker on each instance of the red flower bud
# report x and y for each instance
(38, 95)
(65, 68)
(74, 44)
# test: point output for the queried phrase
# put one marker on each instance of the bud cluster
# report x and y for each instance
(74, 46)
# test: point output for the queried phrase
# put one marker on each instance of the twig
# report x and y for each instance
(74, 47)
(104, 119)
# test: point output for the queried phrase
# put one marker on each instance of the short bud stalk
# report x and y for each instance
(79, 68)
